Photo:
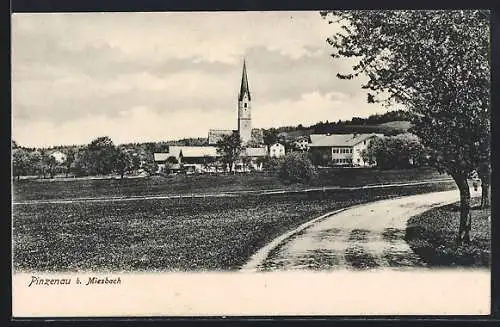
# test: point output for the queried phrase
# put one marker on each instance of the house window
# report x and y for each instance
(364, 142)
(245, 105)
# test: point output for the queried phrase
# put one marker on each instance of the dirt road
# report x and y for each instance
(361, 237)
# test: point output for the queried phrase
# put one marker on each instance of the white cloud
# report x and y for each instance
(80, 76)
(139, 124)
(142, 124)
(312, 108)
(211, 37)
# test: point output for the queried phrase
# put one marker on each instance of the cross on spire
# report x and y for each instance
(244, 83)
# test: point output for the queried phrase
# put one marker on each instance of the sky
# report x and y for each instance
(140, 77)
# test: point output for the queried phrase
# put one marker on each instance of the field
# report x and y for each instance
(166, 235)
(432, 236)
(24, 190)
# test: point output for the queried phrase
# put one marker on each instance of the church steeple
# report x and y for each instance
(244, 84)
(244, 108)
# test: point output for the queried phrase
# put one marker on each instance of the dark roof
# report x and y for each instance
(244, 84)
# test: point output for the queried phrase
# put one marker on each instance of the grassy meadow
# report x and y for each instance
(165, 234)
(432, 236)
(25, 190)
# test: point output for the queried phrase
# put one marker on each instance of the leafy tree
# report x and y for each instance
(100, 156)
(273, 164)
(319, 157)
(297, 168)
(229, 147)
(20, 162)
(270, 136)
(400, 151)
(35, 163)
(435, 63)
(125, 162)
(484, 173)
(49, 164)
(148, 163)
(246, 162)
(70, 158)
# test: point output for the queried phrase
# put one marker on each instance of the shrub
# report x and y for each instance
(272, 165)
(297, 168)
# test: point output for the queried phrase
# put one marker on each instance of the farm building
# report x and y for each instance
(341, 149)
(202, 159)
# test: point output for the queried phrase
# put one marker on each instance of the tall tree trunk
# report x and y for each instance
(485, 193)
(484, 172)
(465, 218)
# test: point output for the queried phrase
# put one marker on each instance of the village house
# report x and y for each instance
(276, 150)
(342, 149)
(59, 156)
(206, 158)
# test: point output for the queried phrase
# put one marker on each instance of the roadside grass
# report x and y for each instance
(432, 235)
(24, 190)
(184, 234)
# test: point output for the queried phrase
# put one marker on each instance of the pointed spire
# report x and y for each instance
(244, 83)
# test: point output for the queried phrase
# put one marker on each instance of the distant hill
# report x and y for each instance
(397, 124)
(389, 123)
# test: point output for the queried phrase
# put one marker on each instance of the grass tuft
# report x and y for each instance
(432, 236)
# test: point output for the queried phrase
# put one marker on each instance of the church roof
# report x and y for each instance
(244, 84)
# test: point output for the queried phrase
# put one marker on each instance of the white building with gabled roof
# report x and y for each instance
(342, 149)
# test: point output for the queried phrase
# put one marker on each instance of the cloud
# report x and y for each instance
(149, 76)
(139, 124)
(312, 108)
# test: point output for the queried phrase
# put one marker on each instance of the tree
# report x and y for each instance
(436, 64)
(484, 173)
(125, 162)
(395, 152)
(70, 158)
(208, 162)
(35, 163)
(270, 136)
(20, 162)
(297, 168)
(246, 162)
(148, 163)
(49, 164)
(78, 166)
(229, 148)
(100, 156)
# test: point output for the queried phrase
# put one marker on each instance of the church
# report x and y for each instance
(201, 159)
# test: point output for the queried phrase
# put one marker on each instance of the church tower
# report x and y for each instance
(244, 109)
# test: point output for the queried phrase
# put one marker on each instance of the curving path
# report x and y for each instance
(361, 237)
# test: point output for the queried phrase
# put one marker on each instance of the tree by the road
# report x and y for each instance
(437, 64)
(229, 147)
